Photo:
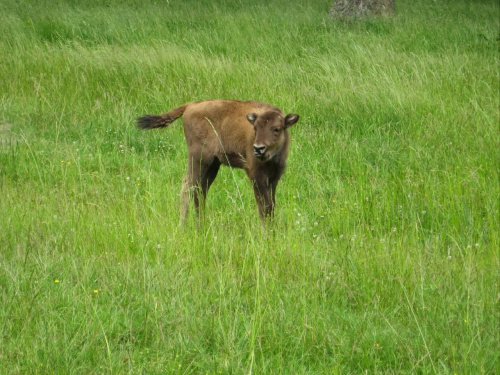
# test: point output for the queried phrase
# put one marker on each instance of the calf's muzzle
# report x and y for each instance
(259, 150)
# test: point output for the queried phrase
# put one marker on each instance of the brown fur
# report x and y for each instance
(249, 135)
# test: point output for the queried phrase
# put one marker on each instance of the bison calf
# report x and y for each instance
(249, 135)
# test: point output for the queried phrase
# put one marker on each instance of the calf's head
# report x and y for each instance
(270, 133)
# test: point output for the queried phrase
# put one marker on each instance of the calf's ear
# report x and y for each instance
(291, 119)
(252, 117)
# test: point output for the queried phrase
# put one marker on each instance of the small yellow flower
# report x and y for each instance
(96, 291)
(56, 281)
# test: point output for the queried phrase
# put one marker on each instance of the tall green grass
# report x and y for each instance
(383, 256)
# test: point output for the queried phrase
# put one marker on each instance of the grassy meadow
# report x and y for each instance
(383, 257)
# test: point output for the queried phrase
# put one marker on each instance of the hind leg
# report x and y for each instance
(208, 177)
(185, 200)
(190, 186)
(208, 173)
(201, 174)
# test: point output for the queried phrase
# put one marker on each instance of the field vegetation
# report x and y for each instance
(383, 256)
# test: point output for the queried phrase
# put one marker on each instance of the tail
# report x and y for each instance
(160, 121)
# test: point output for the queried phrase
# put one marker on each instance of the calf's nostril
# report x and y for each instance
(258, 150)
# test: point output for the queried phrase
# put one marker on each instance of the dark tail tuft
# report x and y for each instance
(153, 121)
(160, 121)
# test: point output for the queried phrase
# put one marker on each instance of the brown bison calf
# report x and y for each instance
(249, 135)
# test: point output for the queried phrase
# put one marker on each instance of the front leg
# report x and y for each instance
(263, 196)
(272, 187)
